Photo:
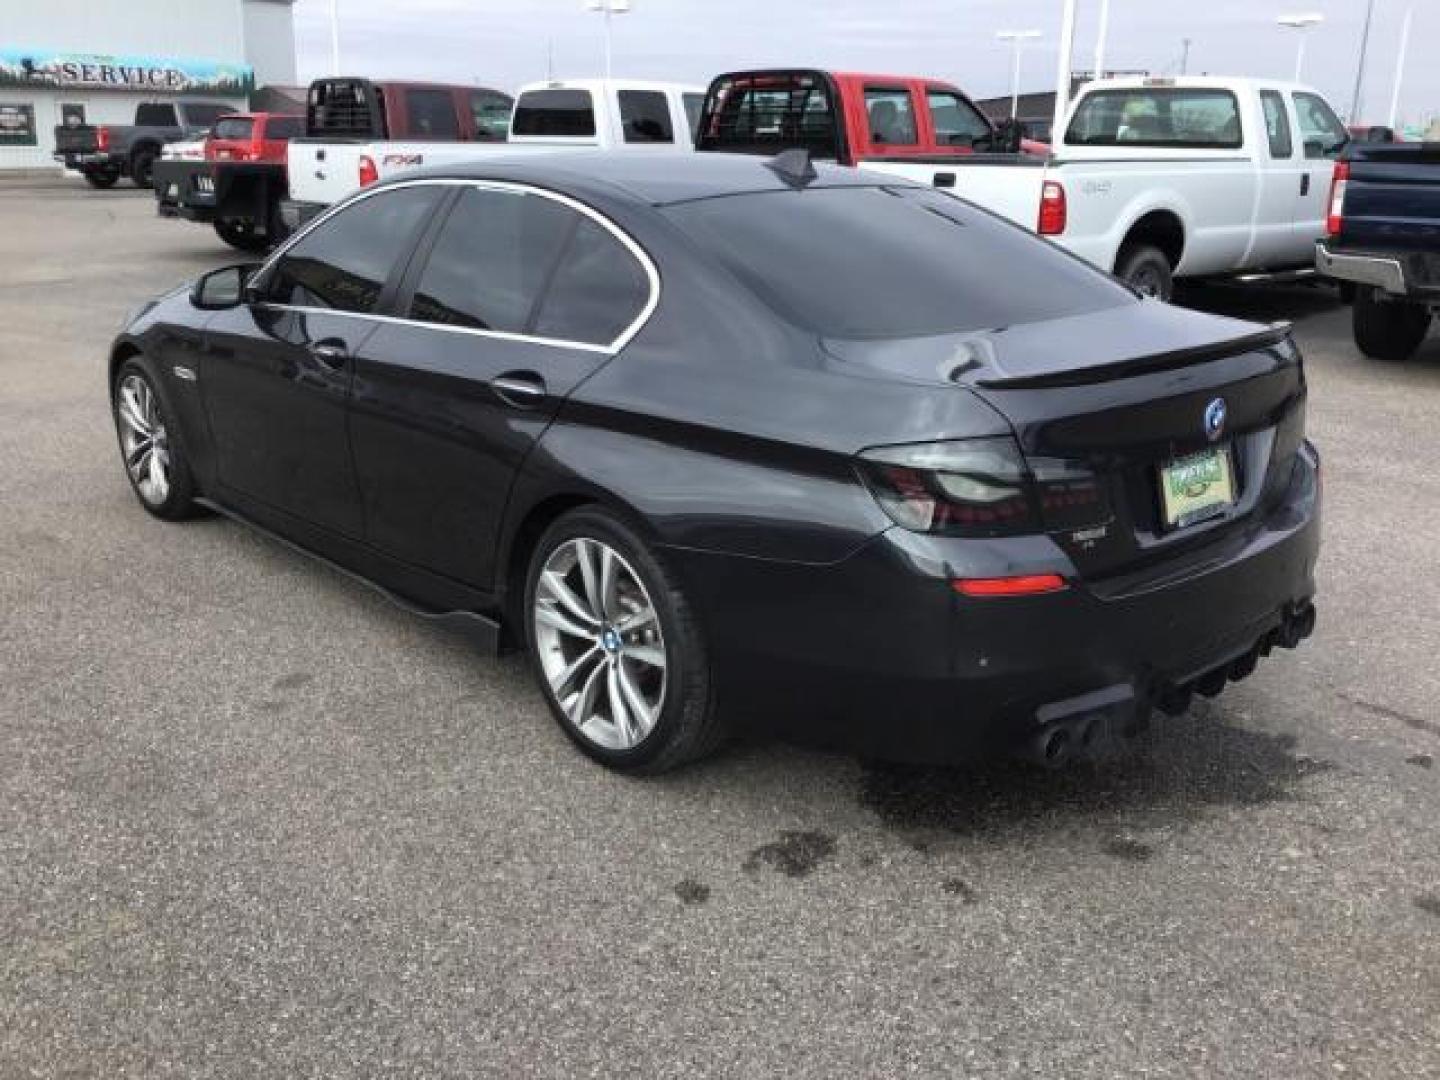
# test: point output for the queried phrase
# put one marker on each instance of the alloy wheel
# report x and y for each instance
(600, 643)
(143, 439)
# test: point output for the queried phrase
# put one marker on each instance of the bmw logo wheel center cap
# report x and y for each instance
(1215, 414)
(611, 641)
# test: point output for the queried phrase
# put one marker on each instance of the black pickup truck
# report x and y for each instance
(1384, 238)
(104, 153)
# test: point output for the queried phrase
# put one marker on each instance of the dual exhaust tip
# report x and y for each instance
(1088, 735)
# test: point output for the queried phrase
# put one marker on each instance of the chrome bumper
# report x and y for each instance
(1383, 273)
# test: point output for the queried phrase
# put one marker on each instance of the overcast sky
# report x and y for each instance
(504, 43)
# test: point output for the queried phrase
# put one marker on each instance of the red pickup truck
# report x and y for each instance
(848, 118)
(260, 137)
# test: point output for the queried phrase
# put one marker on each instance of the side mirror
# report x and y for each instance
(227, 287)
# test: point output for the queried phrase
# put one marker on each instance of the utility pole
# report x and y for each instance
(334, 37)
(1100, 39)
(1062, 72)
(1358, 98)
(1184, 55)
(1400, 65)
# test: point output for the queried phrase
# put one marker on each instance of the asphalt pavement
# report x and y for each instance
(255, 822)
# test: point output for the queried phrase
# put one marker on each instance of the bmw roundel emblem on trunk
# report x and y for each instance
(1215, 419)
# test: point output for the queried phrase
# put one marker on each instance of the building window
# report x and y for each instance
(17, 124)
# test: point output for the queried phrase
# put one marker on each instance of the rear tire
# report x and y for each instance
(643, 644)
(1146, 270)
(1388, 330)
(241, 235)
(142, 167)
(100, 179)
(150, 449)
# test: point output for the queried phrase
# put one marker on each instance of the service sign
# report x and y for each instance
(38, 68)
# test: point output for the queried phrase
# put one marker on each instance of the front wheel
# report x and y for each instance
(150, 447)
(1389, 330)
(617, 650)
(1146, 270)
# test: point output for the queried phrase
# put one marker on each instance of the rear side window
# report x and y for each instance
(645, 117)
(284, 128)
(694, 106)
(234, 128)
(892, 116)
(432, 114)
(156, 116)
(200, 115)
(491, 113)
(1277, 125)
(957, 122)
(599, 289)
(764, 114)
(495, 253)
(561, 113)
(1323, 134)
(870, 262)
(344, 262)
(1201, 119)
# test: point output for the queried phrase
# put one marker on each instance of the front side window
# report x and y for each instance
(1199, 119)
(344, 262)
(557, 113)
(957, 122)
(598, 290)
(892, 117)
(491, 114)
(432, 114)
(1277, 125)
(1321, 132)
(495, 254)
(645, 117)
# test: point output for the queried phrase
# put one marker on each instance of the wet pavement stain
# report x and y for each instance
(294, 681)
(1129, 850)
(794, 854)
(958, 888)
(1429, 903)
(692, 892)
(1424, 761)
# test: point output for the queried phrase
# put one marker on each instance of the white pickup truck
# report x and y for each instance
(1158, 179)
(327, 164)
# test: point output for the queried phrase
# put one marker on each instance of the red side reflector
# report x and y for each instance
(369, 174)
(102, 138)
(1053, 210)
(1024, 585)
(1335, 220)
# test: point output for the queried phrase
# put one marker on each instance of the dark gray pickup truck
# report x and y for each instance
(1384, 238)
(104, 153)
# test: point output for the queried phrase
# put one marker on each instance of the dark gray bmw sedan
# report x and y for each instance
(724, 442)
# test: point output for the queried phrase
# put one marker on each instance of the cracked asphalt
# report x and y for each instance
(256, 823)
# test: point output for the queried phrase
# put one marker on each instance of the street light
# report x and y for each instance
(609, 7)
(1302, 23)
(1017, 39)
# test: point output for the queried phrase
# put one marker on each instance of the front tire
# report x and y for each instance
(1388, 330)
(150, 448)
(1146, 270)
(617, 651)
(100, 179)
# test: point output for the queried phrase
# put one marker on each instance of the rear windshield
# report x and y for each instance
(872, 262)
(765, 114)
(155, 116)
(563, 113)
(1154, 116)
(237, 128)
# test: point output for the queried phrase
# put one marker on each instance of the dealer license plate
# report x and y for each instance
(205, 184)
(1197, 486)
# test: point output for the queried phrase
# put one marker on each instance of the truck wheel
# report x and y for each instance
(241, 234)
(1389, 330)
(142, 167)
(1146, 270)
(101, 178)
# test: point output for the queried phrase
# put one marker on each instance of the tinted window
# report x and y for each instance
(1321, 131)
(957, 122)
(768, 113)
(155, 116)
(284, 128)
(566, 113)
(234, 128)
(200, 115)
(344, 262)
(1277, 124)
(694, 106)
(1157, 116)
(491, 113)
(490, 265)
(432, 114)
(645, 117)
(931, 264)
(892, 118)
(598, 289)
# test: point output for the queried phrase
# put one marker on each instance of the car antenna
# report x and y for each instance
(794, 167)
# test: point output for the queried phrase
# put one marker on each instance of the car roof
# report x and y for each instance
(601, 85)
(657, 179)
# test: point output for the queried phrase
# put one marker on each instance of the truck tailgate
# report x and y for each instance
(323, 171)
(1004, 184)
(1393, 196)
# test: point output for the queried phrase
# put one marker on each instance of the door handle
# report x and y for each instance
(1305, 183)
(522, 389)
(330, 355)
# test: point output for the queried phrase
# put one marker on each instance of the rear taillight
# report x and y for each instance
(1021, 585)
(369, 174)
(1335, 220)
(968, 487)
(102, 138)
(1052, 209)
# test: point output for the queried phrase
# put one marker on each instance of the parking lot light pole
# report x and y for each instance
(1017, 39)
(1301, 24)
(1100, 39)
(1359, 97)
(608, 8)
(1400, 66)
(1062, 71)
(334, 37)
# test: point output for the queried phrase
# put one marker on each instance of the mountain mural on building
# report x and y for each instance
(41, 68)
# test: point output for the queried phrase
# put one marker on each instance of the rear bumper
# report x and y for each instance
(179, 192)
(879, 654)
(90, 160)
(1381, 271)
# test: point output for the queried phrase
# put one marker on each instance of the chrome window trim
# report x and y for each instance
(652, 274)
